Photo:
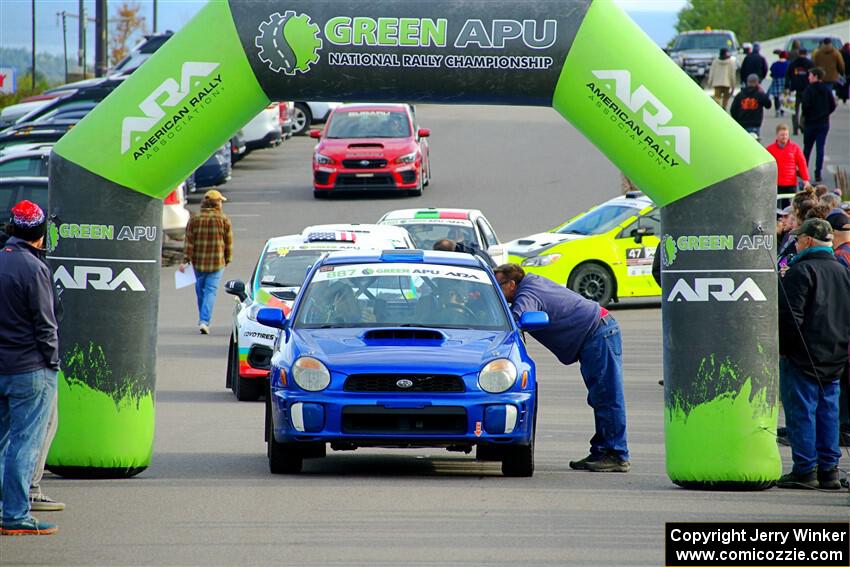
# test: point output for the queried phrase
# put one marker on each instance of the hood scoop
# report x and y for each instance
(365, 145)
(285, 295)
(422, 337)
(525, 242)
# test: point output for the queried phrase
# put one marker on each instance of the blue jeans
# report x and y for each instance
(602, 369)
(206, 286)
(811, 418)
(815, 136)
(25, 403)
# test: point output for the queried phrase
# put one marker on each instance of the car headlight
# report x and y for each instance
(542, 260)
(310, 374)
(498, 376)
(322, 159)
(253, 309)
(409, 158)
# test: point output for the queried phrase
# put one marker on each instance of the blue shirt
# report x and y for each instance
(571, 317)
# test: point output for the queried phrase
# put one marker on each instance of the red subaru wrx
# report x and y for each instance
(371, 147)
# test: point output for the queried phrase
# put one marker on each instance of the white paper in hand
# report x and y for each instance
(185, 278)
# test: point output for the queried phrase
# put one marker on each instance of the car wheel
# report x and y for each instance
(594, 282)
(232, 364)
(518, 460)
(427, 181)
(418, 191)
(284, 458)
(302, 118)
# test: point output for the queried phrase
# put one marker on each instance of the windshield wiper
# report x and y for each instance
(277, 284)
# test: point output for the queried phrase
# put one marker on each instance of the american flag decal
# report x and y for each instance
(332, 236)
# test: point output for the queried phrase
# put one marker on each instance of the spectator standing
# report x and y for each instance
(579, 330)
(814, 328)
(832, 201)
(29, 359)
(828, 58)
(209, 248)
(721, 77)
(777, 82)
(748, 106)
(754, 64)
(790, 162)
(796, 81)
(840, 223)
(448, 245)
(818, 104)
(794, 52)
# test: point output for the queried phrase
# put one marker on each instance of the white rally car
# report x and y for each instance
(428, 226)
(275, 282)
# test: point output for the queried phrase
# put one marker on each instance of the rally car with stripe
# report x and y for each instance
(604, 254)
(275, 281)
(428, 226)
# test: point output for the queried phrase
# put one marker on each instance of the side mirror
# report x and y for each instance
(271, 317)
(315, 134)
(424, 132)
(640, 232)
(237, 288)
(533, 320)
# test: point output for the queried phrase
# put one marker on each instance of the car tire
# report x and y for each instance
(593, 282)
(245, 389)
(302, 119)
(518, 460)
(232, 364)
(427, 181)
(284, 458)
(418, 191)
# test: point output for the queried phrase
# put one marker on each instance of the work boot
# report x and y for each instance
(798, 480)
(828, 479)
(40, 502)
(609, 463)
(582, 464)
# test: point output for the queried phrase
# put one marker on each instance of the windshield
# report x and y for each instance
(425, 233)
(282, 267)
(704, 41)
(599, 221)
(401, 295)
(810, 43)
(369, 124)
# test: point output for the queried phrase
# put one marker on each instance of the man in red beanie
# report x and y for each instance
(789, 161)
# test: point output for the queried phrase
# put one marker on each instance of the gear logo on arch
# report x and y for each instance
(288, 43)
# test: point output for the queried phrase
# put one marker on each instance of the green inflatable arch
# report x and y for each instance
(586, 59)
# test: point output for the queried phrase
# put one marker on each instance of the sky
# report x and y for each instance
(656, 17)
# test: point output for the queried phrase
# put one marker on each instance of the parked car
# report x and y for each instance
(274, 282)
(694, 51)
(33, 165)
(215, 171)
(307, 114)
(428, 226)
(14, 189)
(812, 42)
(30, 133)
(285, 118)
(401, 348)
(238, 149)
(263, 131)
(70, 100)
(371, 147)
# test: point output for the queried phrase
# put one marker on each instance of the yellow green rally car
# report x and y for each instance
(604, 254)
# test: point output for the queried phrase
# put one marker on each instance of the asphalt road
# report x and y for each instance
(208, 498)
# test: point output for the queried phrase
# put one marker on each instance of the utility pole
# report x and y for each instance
(81, 37)
(100, 46)
(33, 45)
(154, 16)
(64, 43)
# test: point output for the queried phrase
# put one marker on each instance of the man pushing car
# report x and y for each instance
(579, 330)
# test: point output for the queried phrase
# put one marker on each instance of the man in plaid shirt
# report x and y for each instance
(209, 248)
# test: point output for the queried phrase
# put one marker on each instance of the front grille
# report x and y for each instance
(425, 421)
(408, 176)
(389, 383)
(377, 180)
(260, 357)
(364, 163)
(322, 177)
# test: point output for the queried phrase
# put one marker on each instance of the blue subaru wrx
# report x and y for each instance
(401, 348)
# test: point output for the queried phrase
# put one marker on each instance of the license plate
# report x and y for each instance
(365, 174)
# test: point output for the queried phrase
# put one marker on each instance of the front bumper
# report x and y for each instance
(255, 343)
(412, 420)
(339, 178)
